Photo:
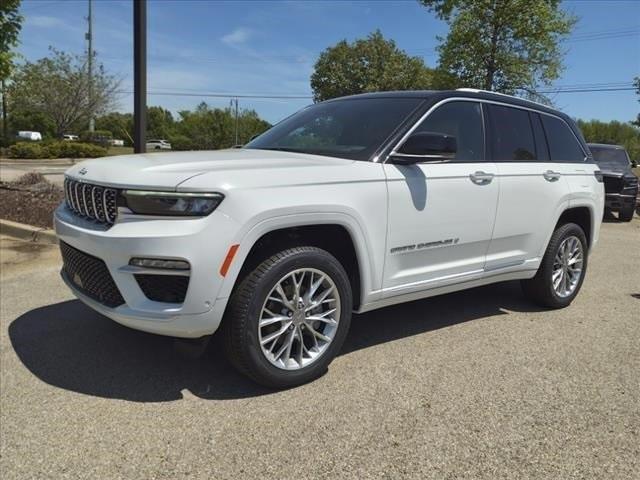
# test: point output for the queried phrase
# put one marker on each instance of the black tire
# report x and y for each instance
(626, 214)
(540, 289)
(240, 324)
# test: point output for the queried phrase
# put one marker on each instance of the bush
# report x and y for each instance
(98, 137)
(56, 150)
(181, 142)
(29, 178)
(75, 150)
(27, 150)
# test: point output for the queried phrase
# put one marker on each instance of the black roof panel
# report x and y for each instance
(442, 94)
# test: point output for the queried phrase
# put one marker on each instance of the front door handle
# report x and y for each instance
(481, 178)
(551, 176)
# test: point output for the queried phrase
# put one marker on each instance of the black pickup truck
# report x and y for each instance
(620, 183)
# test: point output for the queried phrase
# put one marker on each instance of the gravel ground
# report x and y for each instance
(477, 384)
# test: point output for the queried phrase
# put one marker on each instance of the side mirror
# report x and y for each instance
(425, 147)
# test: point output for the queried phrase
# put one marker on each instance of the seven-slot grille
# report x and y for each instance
(91, 201)
(613, 184)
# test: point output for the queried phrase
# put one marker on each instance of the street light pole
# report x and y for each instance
(139, 76)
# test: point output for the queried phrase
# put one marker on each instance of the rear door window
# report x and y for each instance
(563, 145)
(542, 148)
(511, 134)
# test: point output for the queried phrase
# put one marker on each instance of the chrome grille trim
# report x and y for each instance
(104, 205)
(93, 202)
(84, 199)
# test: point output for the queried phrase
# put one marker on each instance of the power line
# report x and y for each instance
(584, 90)
(563, 89)
(223, 95)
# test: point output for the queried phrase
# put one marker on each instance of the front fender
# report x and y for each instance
(370, 271)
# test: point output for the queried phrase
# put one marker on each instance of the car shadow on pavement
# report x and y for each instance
(70, 346)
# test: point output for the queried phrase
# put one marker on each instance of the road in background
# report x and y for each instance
(52, 169)
(476, 384)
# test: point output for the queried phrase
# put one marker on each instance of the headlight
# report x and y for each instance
(172, 203)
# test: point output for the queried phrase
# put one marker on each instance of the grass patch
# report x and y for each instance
(119, 151)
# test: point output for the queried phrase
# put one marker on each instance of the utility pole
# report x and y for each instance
(5, 127)
(89, 37)
(236, 143)
(139, 76)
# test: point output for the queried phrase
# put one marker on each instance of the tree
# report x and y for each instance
(367, 65)
(119, 124)
(503, 45)
(616, 133)
(58, 87)
(10, 26)
(159, 123)
(209, 128)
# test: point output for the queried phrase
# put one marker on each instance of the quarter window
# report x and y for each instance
(511, 134)
(563, 145)
(462, 120)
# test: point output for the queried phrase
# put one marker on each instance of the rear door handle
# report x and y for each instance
(481, 178)
(551, 176)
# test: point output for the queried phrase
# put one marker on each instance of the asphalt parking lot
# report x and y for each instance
(476, 384)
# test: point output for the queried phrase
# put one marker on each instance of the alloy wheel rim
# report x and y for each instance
(299, 319)
(567, 266)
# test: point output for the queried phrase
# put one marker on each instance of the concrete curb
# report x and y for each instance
(28, 232)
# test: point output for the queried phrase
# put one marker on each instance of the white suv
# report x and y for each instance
(158, 145)
(347, 206)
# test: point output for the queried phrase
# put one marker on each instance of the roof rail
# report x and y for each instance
(478, 90)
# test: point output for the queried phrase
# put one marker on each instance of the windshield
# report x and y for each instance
(350, 128)
(610, 157)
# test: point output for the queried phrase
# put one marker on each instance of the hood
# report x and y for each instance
(613, 169)
(168, 170)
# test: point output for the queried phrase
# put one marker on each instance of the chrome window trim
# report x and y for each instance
(481, 101)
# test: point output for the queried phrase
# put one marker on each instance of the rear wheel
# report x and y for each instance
(562, 269)
(626, 214)
(288, 318)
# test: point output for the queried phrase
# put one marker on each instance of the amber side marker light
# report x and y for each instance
(228, 259)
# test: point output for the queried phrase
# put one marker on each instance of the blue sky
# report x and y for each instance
(269, 47)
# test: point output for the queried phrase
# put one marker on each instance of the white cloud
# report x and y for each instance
(239, 36)
(44, 21)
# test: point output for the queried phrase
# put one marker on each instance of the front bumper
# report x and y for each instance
(617, 201)
(203, 242)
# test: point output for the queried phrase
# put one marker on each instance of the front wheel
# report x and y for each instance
(288, 318)
(562, 269)
(626, 214)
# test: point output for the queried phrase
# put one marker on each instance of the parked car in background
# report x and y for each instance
(620, 183)
(70, 138)
(117, 142)
(158, 145)
(351, 204)
(29, 135)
